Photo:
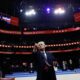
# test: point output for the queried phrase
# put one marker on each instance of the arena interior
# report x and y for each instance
(25, 22)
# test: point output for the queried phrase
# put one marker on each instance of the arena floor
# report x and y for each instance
(61, 75)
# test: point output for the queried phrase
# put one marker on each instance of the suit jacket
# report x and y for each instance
(39, 61)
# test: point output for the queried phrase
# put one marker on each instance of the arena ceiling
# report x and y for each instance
(13, 7)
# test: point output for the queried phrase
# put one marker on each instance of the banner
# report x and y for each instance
(6, 19)
(77, 17)
(14, 21)
(9, 19)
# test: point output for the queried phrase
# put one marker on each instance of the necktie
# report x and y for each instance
(45, 55)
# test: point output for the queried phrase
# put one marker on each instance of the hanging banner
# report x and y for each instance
(6, 19)
(77, 17)
(9, 19)
(14, 21)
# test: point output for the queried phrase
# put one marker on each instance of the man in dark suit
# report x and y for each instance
(43, 62)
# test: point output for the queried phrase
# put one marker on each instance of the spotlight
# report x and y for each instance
(48, 10)
(59, 11)
(30, 12)
(21, 10)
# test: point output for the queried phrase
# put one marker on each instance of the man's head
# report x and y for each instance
(41, 45)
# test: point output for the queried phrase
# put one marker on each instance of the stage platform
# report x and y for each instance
(61, 75)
